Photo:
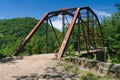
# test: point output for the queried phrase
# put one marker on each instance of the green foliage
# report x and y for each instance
(84, 74)
(111, 30)
(13, 31)
(89, 76)
(117, 5)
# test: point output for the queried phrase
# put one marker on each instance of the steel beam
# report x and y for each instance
(67, 36)
(76, 15)
(54, 32)
(46, 36)
(63, 25)
(78, 35)
(30, 35)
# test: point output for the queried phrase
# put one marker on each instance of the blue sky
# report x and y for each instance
(37, 8)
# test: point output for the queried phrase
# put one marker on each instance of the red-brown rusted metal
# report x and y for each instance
(67, 36)
(87, 19)
(30, 35)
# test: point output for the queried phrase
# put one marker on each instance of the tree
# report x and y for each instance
(13, 31)
(117, 5)
(111, 30)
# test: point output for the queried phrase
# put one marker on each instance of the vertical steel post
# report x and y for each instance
(84, 34)
(93, 32)
(47, 36)
(63, 25)
(78, 35)
(88, 31)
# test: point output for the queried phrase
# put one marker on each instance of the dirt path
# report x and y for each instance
(29, 65)
(36, 67)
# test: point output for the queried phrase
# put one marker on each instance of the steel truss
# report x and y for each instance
(83, 17)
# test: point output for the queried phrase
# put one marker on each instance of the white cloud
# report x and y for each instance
(57, 23)
(102, 13)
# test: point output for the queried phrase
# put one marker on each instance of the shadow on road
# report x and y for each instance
(50, 74)
(10, 59)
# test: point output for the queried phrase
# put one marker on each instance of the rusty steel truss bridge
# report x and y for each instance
(87, 24)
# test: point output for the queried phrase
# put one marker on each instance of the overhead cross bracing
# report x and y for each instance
(87, 24)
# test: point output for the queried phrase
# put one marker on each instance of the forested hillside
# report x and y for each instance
(111, 30)
(13, 31)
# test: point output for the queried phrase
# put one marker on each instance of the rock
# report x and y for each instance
(97, 66)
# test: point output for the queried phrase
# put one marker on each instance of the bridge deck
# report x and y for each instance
(90, 51)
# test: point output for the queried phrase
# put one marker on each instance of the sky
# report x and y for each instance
(37, 8)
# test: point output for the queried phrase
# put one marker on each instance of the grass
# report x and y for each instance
(84, 74)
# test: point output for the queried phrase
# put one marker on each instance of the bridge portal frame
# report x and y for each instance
(77, 16)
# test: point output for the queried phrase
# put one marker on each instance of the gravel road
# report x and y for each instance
(35, 67)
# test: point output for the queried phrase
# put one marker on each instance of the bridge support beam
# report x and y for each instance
(67, 36)
(89, 39)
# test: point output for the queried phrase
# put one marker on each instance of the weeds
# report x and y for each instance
(89, 76)
(84, 74)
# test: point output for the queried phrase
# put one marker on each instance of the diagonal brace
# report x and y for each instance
(67, 36)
